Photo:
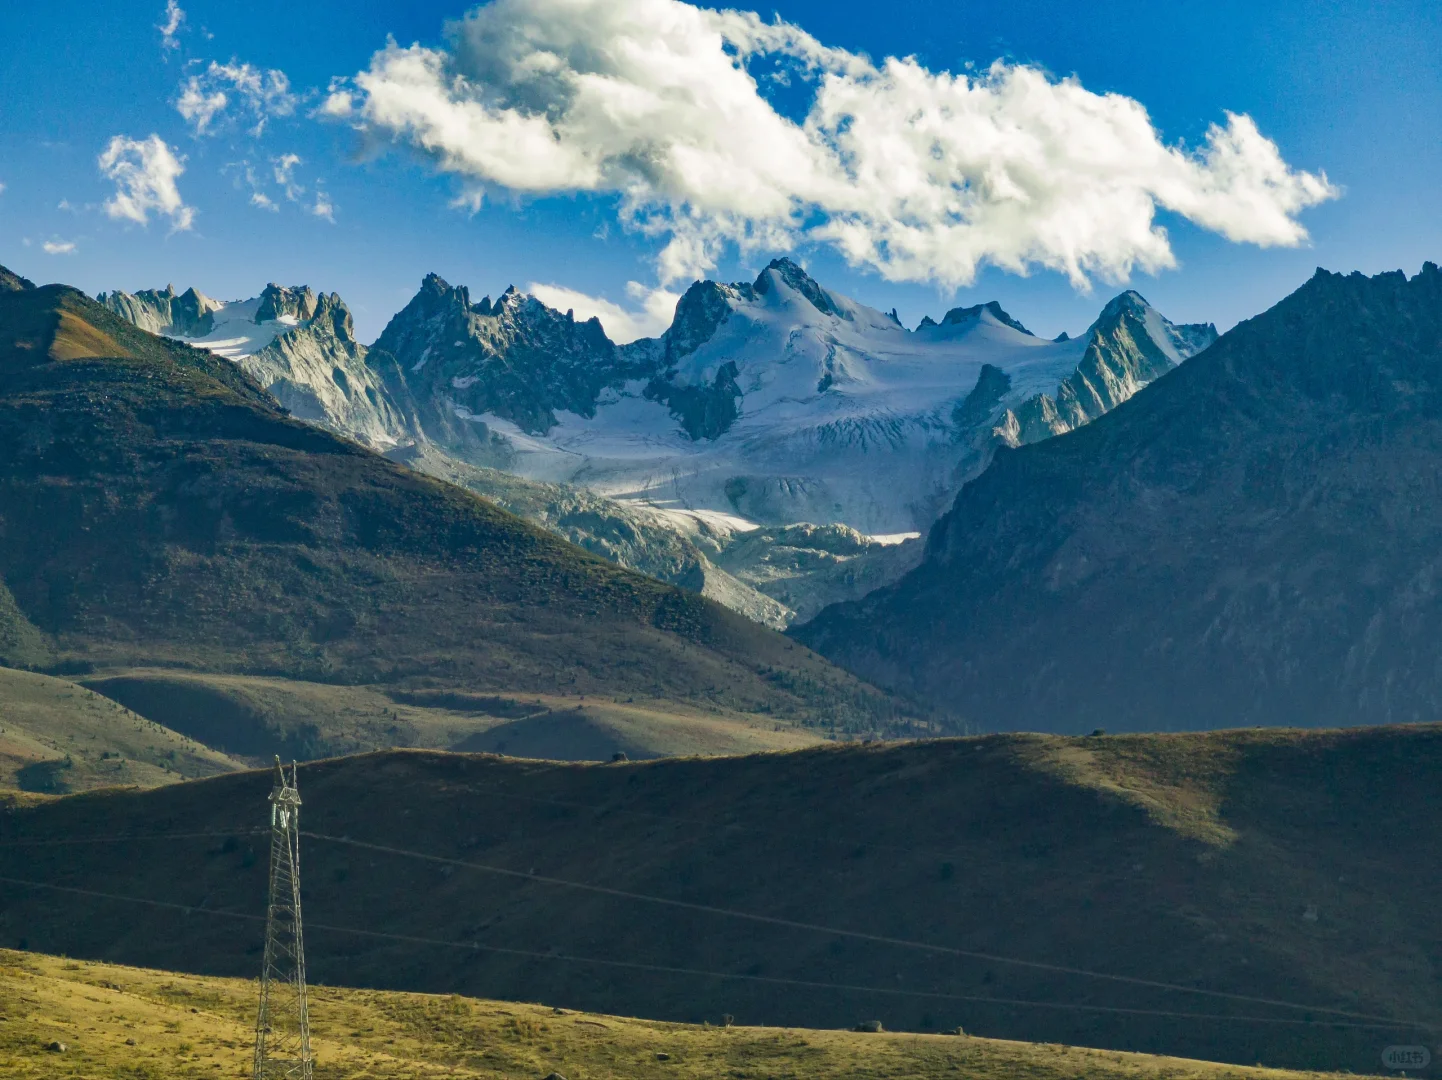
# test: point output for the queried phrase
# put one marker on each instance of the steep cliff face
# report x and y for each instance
(1249, 540)
(297, 344)
(163, 311)
(1128, 346)
(318, 371)
(514, 359)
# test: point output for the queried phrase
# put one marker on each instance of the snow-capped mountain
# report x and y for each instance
(774, 401)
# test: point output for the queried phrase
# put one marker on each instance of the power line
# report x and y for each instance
(127, 839)
(858, 935)
(752, 917)
(468, 946)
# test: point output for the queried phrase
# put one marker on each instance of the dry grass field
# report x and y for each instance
(122, 1023)
(57, 737)
(255, 716)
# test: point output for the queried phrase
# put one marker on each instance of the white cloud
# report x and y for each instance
(58, 247)
(263, 95)
(283, 168)
(920, 175)
(657, 308)
(323, 208)
(144, 171)
(264, 201)
(174, 19)
(200, 106)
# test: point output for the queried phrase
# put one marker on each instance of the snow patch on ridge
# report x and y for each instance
(236, 332)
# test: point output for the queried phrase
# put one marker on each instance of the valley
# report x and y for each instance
(57, 736)
(254, 717)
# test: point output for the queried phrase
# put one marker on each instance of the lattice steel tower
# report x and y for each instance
(282, 1025)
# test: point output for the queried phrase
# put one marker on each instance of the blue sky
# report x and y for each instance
(1352, 90)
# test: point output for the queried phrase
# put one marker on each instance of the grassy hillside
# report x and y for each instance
(158, 509)
(57, 736)
(257, 716)
(119, 1023)
(1275, 865)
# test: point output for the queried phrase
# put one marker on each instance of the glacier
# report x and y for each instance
(783, 435)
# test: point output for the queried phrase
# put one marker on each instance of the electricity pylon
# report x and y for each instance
(282, 1025)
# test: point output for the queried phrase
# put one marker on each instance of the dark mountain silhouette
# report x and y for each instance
(1255, 538)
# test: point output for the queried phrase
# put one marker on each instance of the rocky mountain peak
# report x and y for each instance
(13, 282)
(516, 358)
(1128, 314)
(798, 279)
(1128, 346)
(276, 301)
(1123, 303)
(699, 313)
(958, 316)
(163, 311)
(435, 284)
(436, 300)
(192, 312)
(331, 313)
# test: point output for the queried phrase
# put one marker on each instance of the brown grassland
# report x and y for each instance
(57, 736)
(124, 1023)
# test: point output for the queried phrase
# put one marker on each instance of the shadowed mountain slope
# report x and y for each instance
(1252, 539)
(157, 507)
(1275, 865)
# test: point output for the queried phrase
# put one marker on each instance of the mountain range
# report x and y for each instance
(1251, 540)
(765, 405)
(159, 508)
(1131, 513)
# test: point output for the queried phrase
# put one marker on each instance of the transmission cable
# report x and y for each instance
(468, 946)
(858, 935)
(724, 912)
(228, 835)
